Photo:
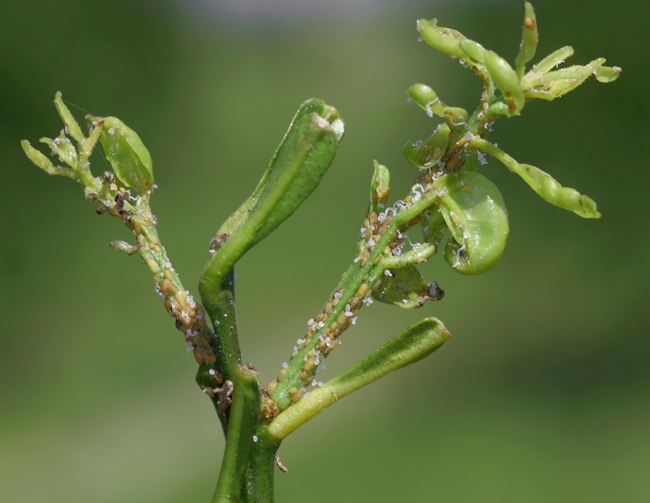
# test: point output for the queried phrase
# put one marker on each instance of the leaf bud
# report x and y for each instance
(427, 98)
(125, 151)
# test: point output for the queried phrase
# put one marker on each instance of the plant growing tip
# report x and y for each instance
(448, 194)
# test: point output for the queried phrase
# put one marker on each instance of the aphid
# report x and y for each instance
(363, 289)
(168, 288)
(295, 398)
(309, 366)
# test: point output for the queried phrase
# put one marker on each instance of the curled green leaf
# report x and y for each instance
(240, 216)
(427, 154)
(406, 288)
(125, 151)
(543, 183)
(475, 213)
(427, 98)
(529, 39)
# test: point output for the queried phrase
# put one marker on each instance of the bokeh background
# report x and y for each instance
(542, 395)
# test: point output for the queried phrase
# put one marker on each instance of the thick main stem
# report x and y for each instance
(220, 305)
(244, 415)
(259, 480)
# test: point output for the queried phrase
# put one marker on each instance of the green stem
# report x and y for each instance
(244, 414)
(258, 485)
(220, 306)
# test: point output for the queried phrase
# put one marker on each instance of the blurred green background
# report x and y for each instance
(542, 395)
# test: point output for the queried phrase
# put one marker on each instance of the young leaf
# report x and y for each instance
(543, 183)
(379, 188)
(529, 39)
(63, 148)
(444, 40)
(71, 125)
(299, 163)
(506, 80)
(475, 213)
(125, 151)
(38, 158)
